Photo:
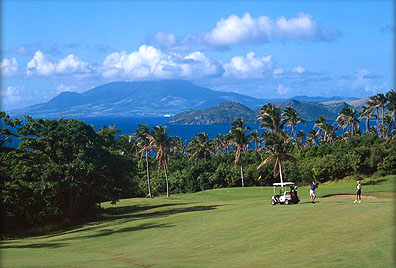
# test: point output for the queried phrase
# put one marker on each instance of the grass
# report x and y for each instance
(234, 227)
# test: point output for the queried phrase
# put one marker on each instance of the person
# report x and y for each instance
(358, 193)
(312, 191)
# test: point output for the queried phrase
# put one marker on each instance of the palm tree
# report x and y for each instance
(367, 112)
(378, 101)
(218, 144)
(300, 138)
(325, 131)
(391, 104)
(178, 145)
(253, 137)
(311, 138)
(291, 119)
(161, 143)
(144, 149)
(278, 146)
(348, 120)
(270, 117)
(200, 147)
(240, 141)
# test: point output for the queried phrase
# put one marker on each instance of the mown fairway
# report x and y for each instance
(226, 228)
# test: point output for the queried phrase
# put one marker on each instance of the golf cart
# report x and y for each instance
(285, 197)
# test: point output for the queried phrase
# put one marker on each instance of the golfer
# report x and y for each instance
(358, 192)
(312, 191)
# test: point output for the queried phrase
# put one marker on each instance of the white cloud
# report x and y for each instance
(150, 62)
(9, 67)
(42, 65)
(13, 94)
(282, 89)
(247, 29)
(299, 69)
(363, 79)
(248, 67)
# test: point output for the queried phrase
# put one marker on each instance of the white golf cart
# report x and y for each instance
(285, 197)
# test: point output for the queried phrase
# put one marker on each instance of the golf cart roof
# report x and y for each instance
(283, 184)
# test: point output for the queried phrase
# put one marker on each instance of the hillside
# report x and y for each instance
(137, 98)
(221, 114)
(227, 112)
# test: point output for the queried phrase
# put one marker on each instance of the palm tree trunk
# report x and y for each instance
(166, 178)
(280, 173)
(243, 185)
(367, 124)
(378, 126)
(148, 175)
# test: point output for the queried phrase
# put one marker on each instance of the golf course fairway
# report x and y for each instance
(233, 227)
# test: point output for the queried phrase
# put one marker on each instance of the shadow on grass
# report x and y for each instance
(159, 213)
(38, 245)
(105, 215)
(126, 214)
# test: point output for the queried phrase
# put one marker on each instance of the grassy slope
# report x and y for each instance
(225, 228)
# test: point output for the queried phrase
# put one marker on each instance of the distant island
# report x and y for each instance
(227, 112)
(178, 98)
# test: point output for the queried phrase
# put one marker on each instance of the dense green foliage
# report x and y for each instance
(62, 169)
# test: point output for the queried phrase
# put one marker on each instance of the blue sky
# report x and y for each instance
(275, 49)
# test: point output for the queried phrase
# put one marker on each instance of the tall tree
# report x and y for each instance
(253, 137)
(291, 119)
(143, 144)
(161, 143)
(367, 112)
(348, 120)
(200, 147)
(278, 146)
(270, 117)
(240, 141)
(325, 130)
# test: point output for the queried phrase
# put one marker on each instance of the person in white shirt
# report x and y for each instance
(358, 193)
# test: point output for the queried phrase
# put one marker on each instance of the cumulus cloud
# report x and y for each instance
(247, 29)
(9, 67)
(41, 64)
(150, 62)
(248, 67)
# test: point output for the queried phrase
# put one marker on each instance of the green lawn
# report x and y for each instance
(234, 227)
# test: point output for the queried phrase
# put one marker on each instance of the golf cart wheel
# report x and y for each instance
(287, 202)
(273, 202)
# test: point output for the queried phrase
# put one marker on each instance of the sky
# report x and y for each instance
(271, 49)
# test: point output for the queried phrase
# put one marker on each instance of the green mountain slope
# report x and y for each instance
(221, 114)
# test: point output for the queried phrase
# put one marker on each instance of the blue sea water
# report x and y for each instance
(128, 125)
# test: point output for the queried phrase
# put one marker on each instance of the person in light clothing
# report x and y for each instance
(358, 192)
(312, 191)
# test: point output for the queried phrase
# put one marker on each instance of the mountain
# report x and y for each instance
(136, 98)
(310, 111)
(221, 114)
(227, 112)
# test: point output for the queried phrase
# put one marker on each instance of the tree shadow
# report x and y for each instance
(105, 215)
(127, 217)
(37, 245)
(162, 213)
